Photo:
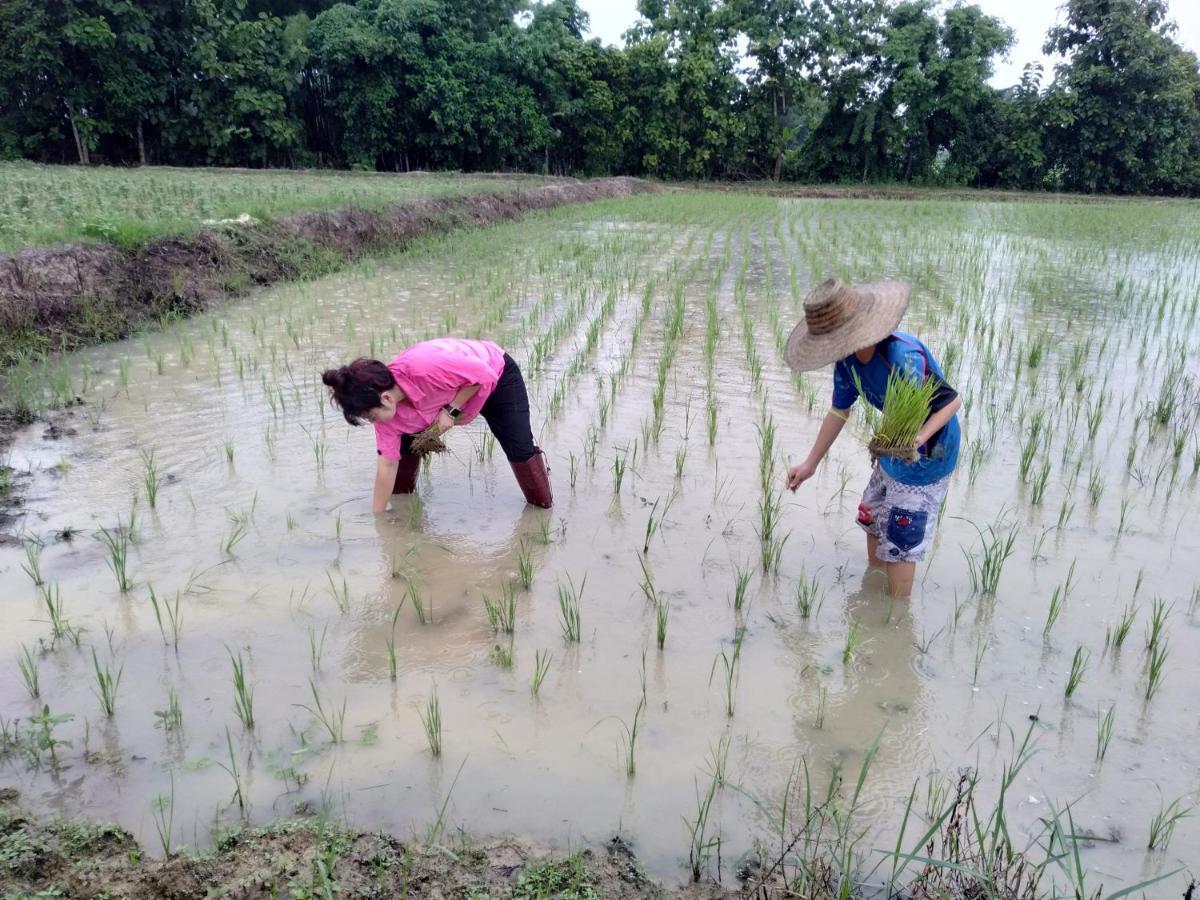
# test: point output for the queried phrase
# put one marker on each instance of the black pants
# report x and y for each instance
(506, 412)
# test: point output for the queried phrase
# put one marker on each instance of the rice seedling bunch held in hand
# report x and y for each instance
(420, 395)
(916, 434)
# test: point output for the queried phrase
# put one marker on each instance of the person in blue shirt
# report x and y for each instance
(854, 329)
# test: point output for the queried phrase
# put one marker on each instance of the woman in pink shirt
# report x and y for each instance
(449, 382)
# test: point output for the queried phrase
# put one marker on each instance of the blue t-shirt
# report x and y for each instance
(904, 353)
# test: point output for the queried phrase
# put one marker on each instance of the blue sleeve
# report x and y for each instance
(844, 391)
(908, 359)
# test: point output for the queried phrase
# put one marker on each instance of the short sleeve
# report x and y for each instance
(844, 390)
(387, 441)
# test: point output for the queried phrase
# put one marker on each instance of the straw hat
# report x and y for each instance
(840, 318)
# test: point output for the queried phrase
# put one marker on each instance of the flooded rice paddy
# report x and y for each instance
(650, 332)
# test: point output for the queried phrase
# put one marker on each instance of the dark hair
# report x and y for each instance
(356, 387)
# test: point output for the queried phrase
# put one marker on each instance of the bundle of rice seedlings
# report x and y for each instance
(428, 441)
(906, 407)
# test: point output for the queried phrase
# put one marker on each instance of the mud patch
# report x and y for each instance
(304, 858)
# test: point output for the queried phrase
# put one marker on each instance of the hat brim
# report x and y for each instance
(882, 306)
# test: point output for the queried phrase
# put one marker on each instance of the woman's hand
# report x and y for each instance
(443, 421)
(800, 473)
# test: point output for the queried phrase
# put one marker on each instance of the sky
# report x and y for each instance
(1030, 19)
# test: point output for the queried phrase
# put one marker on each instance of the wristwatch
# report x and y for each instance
(453, 411)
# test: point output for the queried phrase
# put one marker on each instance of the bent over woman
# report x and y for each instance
(440, 383)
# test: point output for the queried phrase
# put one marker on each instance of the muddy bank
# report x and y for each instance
(63, 297)
(304, 858)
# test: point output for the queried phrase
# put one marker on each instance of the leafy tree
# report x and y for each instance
(1125, 107)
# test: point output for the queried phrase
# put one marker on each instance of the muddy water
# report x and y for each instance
(232, 409)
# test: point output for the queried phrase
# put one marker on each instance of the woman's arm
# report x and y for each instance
(831, 427)
(464, 393)
(385, 480)
(937, 421)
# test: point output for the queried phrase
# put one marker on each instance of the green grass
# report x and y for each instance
(53, 204)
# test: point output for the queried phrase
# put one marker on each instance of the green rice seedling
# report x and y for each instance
(981, 649)
(333, 719)
(711, 409)
(1095, 486)
(701, 844)
(809, 595)
(107, 682)
(662, 612)
(680, 461)
(431, 721)
(229, 452)
(629, 738)
(243, 691)
(1159, 613)
(116, 542)
(316, 646)
(1040, 482)
(573, 470)
(985, 570)
(1156, 667)
(618, 470)
(544, 531)
(51, 598)
(1162, 826)
(1104, 731)
(1124, 625)
(162, 809)
(1058, 600)
(33, 562)
(569, 602)
(741, 583)
(170, 718)
(718, 757)
(339, 592)
(649, 591)
(1078, 668)
(1124, 516)
(502, 615)
(238, 528)
(525, 566)
(770, 514)
(906, 405)
(151, 480)
(234, 771)
(653, 524)
(541, 666)
(1064, 514)
(730, 665)
(852, 642)
(391, 641)
(27, 664)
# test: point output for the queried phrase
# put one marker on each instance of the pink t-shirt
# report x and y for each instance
(430, 374)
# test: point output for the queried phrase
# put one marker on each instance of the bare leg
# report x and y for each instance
(873, 561)
(900, 579)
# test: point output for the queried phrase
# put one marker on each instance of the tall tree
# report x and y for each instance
(1125, 106)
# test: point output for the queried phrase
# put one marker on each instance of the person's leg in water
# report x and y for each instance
(410, 467)
(507, 415)
(899, 522)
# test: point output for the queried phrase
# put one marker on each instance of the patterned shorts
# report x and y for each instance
(902, 517)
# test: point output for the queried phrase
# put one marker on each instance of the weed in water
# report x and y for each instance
(1078, 668)
(431, 721)
(162, 808)
(541, 665)
(701, 844)
(243, 691)
(33, 562)
(234, 771)
(569, 601)
(502, 654)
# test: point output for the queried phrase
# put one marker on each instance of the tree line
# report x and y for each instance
(805, 90)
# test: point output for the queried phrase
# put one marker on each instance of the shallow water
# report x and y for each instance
(946, 681)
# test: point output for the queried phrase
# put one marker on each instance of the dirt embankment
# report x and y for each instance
(304, 858)
(67, 296)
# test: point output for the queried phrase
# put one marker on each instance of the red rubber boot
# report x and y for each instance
(533, 477)
(406, 475)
